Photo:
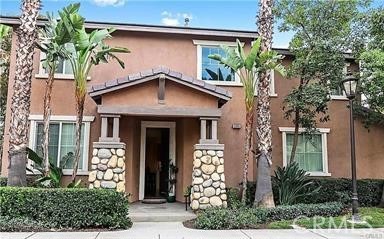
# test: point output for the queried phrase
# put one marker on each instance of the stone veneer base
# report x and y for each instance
(208, 179)
(108, 166)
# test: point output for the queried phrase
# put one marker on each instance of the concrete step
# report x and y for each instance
(161, 217)
(165, 212)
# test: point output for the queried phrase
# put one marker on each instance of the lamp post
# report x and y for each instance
(349, 85)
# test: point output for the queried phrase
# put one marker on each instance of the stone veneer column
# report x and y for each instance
(208, 179)
(108, 166)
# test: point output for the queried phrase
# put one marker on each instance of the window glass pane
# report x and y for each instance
(211, 69)
(60, 66)
(309, 154)
(68, 68)
(53, 141)
(337, 91)
(68, 142)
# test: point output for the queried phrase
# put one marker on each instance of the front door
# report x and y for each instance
(156, 163)
(157, 153)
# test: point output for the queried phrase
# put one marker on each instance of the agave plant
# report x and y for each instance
(293, 183)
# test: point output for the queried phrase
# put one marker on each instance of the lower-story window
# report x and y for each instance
(311, 151)
(62, 142)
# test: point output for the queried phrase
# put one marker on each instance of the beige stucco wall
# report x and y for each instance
(179, 53)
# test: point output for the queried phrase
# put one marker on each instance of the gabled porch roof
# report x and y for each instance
(97, 91)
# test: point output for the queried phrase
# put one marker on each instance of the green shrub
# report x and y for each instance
(9, 224)
(369, 190)
(3, 181)
(238, 218)
(233, 198)
(332, 190)
(309, 210)
(223, 218)
(66, 208)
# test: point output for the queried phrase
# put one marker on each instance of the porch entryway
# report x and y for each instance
(139, 117)
(166, 212)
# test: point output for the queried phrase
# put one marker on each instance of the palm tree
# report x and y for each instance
(263, 155)
(247, 68)
(52, 43)
(86, 50)
(20, 103)
(5, 52)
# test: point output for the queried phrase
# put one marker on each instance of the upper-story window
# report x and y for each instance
(210, 70)
(63, 69)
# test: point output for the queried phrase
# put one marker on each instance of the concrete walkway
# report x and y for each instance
(175, 230)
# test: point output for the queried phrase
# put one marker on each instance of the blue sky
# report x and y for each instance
(227, 14)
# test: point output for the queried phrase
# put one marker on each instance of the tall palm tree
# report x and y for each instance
(20, 104)
(52, 43)
(247, 68)
(5, 53)
(86, 50)
(263, 155)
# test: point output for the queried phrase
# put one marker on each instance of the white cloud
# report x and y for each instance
(103, 3)
(170, 19)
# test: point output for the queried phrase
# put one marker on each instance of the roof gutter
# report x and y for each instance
(151, 28)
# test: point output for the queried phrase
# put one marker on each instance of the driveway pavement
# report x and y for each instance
(175, 230)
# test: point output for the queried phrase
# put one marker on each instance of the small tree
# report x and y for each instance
(322, 34)
(247, 68)
(52, 41)
(86, 50)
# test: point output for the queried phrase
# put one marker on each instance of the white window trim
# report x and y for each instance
(323, 132)
(237, 82)
(200, 44)
(62, 119)
(42, 75)
(272, 89)
(341, 97)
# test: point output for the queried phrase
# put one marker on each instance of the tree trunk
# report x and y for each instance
(47, 116)
(382, 200)
(264, 194)
(247, 150)
(80, 98)
(20, 103)
(295, 137)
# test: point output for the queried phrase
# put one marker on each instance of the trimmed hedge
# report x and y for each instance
(243, 217)
(66, 207)
(332, 190)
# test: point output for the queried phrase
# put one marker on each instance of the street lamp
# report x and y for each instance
(349, 85)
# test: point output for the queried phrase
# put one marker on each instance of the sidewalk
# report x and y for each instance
(175, 230)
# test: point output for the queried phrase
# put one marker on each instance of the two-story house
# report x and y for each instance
(173, 113)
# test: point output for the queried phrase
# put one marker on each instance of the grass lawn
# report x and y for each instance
(373, 216)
